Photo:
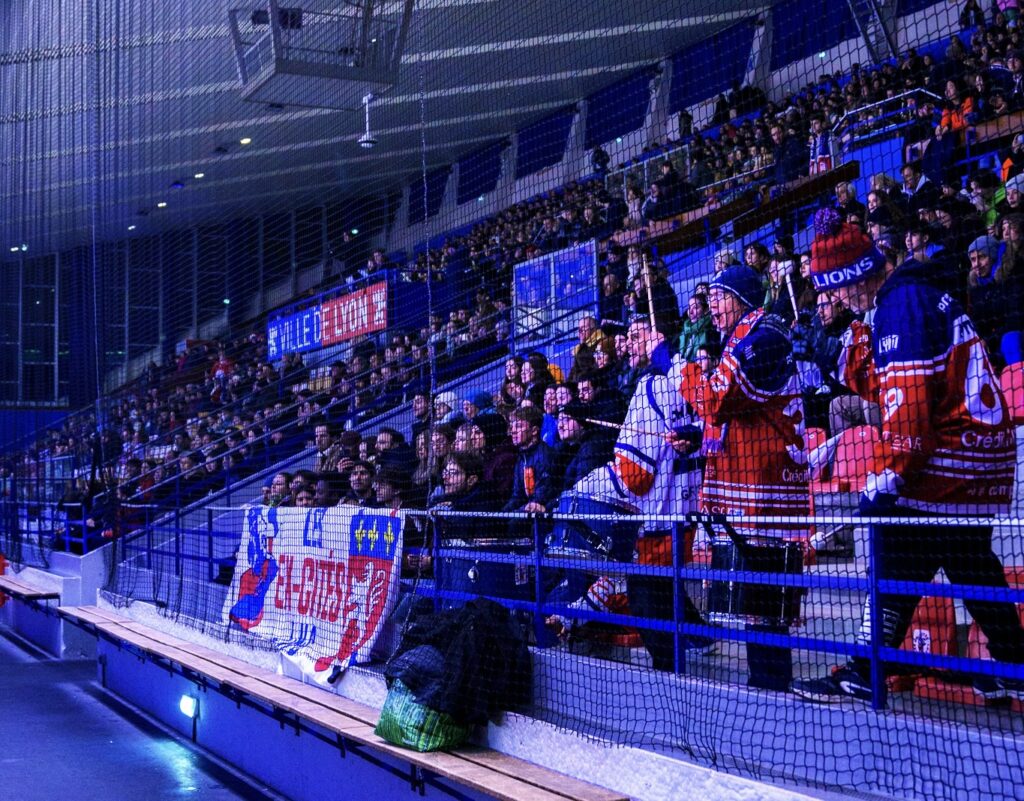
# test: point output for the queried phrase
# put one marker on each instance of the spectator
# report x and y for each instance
(462, 481)
(590, 339)
(1013, 164)
(971, 16)
(328, 489)
(476, 403)
(785, 287)
(645, 474)
(918, 191)
(582, 446)
(610, 304)
(1014, 88)
(360, 482)
(591, 226)
(725, 258)
(920, 130)
(348, 451)
(916, 322)
(1013, 202)
(956, 112)
(655, 205)
(757, 257)
(305, 497)
(445, 409)
(819, 144)
(487, 436)
(536, 378)
(420, 414)
(984, 186)
(390, 488)
(762, 437)
(790, 156)
(328, 450)
(697, 329)
(535, 486)
(599, 161)
(847, 204)
(666, 304)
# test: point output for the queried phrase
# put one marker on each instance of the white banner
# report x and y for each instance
(318, 582)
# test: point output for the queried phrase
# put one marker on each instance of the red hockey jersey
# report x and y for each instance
(948, 444)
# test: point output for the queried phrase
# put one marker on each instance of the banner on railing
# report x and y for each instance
(361, 312)
(551, 292)
(337, 320)
(318, 582)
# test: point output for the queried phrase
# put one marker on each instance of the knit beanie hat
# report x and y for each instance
(447, 398)
(482, 400)
(743, 283)
(986, 244)
(841, 254)
(1016, 182)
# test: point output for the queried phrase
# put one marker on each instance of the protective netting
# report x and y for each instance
(691, 336)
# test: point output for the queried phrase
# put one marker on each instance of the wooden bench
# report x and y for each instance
(26, 593)
(499, 775)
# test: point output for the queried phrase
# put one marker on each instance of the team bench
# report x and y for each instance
(496, 774)
(26, 593)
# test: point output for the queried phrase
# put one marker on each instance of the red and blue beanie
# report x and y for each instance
(741, 282)
(841, 254)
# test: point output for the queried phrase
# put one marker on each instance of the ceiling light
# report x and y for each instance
(131, 227)
(162, 204)
(14, 249)
(245, 140)
(199, 175)
(355, 232)
(24, 248)
(227, 301)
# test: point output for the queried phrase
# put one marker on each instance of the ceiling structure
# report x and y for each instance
(103, 110)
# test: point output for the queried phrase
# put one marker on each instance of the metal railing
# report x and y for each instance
(206, 545)
(641, 174)
(845, 131)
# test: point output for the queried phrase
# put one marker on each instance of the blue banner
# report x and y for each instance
(294, 333)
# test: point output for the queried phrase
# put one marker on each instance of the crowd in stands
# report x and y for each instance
(752, 139)
(223, 411)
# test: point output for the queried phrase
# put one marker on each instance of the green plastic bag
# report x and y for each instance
(410, 724)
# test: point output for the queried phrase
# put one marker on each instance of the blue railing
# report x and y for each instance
(206, 546)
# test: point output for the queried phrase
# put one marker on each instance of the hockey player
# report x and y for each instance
(947, 446)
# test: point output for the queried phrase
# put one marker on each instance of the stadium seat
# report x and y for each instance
(1012, 382)
(977, 648)
(933, 630)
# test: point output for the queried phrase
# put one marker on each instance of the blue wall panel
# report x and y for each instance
(617, 109)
